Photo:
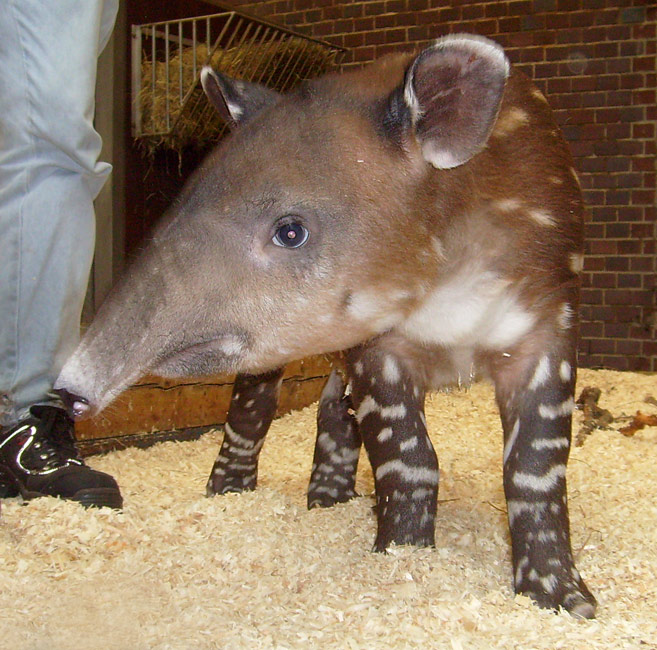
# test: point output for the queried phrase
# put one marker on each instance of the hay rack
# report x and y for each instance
(168, 105)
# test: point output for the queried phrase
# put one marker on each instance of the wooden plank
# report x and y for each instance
(163, 405)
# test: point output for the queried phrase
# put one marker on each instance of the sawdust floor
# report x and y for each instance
(176, 570)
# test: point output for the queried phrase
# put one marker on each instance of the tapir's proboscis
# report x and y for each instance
(422, 215)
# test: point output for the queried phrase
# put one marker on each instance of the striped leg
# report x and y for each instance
(389, 405)
(251, 411)
(337, 448)
(536, 408)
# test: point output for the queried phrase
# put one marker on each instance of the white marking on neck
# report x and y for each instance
(473, 307)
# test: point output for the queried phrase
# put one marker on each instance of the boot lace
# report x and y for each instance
(54, 444)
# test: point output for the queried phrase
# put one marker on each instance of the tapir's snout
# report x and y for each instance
(76, 405)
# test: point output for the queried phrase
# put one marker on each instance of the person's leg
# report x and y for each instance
(49, 177)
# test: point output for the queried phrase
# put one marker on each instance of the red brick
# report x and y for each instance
(377, 8)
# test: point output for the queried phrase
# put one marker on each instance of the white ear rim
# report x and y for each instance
(481, 44)
(235, 111)
(442, 159)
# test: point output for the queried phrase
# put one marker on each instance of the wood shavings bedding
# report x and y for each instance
(177, 570)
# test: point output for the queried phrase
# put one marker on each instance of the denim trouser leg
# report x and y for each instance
(49, 177)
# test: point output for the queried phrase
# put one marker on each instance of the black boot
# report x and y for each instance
(38, 458)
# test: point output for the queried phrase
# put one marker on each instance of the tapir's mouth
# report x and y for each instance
(211, 355)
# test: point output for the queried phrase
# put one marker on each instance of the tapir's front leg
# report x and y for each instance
(536, 404)
(252, 408)
(389, 404)
(337, 447)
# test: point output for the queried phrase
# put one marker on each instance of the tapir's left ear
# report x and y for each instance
(453, 91)
(236, 101)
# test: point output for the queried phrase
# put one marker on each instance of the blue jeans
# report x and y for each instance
(49, 177)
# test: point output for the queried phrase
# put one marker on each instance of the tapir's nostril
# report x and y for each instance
(76, 405)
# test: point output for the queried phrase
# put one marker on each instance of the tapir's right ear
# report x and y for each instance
(236, 101)
(453, 92)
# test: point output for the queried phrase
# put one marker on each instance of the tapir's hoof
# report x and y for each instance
(404, 522)
(322, 497)
(225, 483)
(384, 542)
(574, 598)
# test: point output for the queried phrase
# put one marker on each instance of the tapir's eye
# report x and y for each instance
(290, 235)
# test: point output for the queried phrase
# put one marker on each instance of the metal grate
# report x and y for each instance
(169, 107)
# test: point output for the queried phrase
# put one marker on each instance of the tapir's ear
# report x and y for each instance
(453, 91)
(236, 101)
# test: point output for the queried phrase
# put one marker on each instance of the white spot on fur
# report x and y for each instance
(438, 247)
(549, 412)
(325, 441)
(565, 371)
(576, 262)
(542, 218)
(522, 564)
(509, 121)
(344, 456)
(508, 205)
(516, 507)
(545, 536)
(550, 443)
(411, 443)
(236, 439)
(370, 405)
(565, 317)
(511, 440)
(536, 93)
(367, 406)
(549, 583)
(394, 412)
(541, 482)
(391, 370)
(421, 493)
(384, 434)
(408, 473)
(541, 374)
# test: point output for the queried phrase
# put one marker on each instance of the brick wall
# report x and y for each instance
(596, 61)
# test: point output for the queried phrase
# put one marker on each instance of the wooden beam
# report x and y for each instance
(164, 405)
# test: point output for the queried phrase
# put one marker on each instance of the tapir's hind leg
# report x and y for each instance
(252, 408)
(337, 448)
(535, 396)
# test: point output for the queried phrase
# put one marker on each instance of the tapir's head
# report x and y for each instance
(305, 231)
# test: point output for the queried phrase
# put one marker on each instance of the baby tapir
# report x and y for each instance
(424, 215)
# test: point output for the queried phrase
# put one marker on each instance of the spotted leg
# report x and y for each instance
(535, 397)
(337, 448)
(389, 403)
(252, 408)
